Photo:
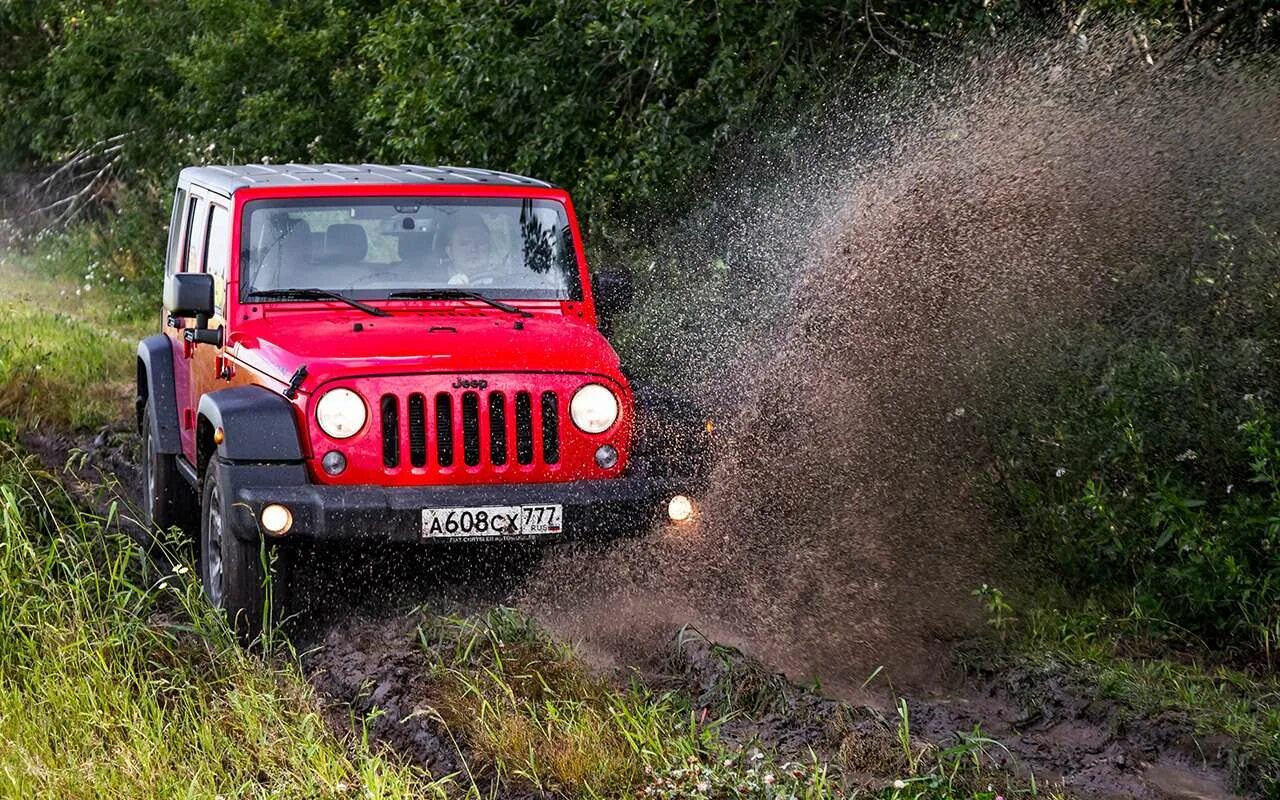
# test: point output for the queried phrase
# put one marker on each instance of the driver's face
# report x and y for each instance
(469, 249)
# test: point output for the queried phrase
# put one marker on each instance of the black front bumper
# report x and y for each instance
(591, 508)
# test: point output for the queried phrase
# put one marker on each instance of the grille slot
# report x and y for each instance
(390, 430)
(497, 428)
(417, 431)
(524, 428)
(550, 428)
(444, 429)
(471, 429)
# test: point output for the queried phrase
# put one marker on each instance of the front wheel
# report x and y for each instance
(232, 570)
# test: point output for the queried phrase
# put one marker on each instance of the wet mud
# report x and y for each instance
(373, 677)
(357, 634)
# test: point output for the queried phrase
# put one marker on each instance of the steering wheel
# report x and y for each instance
(365, 280)
(483, 278)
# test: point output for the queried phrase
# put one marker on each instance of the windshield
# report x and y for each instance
(371, 248)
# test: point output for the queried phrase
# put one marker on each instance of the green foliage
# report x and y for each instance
(61, 370)
(626, 102)
(1140, 455)
(622, 100)
(114, 683)
(999, 612)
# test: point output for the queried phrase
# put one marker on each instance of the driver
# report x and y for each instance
(468, 248)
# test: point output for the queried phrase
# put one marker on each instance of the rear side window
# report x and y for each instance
(195, 239)
(175, 232)
(218, 252)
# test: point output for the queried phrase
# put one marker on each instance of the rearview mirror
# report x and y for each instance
(612, 292)
(189, 294)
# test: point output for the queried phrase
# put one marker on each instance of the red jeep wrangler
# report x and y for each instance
(365, 353)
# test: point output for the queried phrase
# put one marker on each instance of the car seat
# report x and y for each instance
(419, 266)
(345, 243)
(296, 257)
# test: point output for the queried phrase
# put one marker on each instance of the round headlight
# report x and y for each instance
(341, 413)
(593, 409)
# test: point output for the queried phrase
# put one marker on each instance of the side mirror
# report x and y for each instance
(612, 292)
(189, 294)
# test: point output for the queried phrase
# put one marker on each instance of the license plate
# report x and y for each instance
(482, 522)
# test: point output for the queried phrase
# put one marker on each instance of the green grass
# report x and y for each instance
(112, 685)
(66, 359)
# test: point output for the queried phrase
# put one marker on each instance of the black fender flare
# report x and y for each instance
(155, 386)
(258, 425)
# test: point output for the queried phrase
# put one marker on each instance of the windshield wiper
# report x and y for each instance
(455, 294)
(315, 294)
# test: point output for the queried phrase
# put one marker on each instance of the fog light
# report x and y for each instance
(333, 462)
(680, 508)
(277, 519)
(606, 457)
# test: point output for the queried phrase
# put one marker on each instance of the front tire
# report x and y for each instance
(231, 569)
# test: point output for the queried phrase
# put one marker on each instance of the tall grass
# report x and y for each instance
(113, 684)
(66, 357)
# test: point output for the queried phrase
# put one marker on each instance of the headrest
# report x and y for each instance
(415, 246)
(345, 242)
(296, 245)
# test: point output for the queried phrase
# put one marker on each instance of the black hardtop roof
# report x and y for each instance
(227, 179)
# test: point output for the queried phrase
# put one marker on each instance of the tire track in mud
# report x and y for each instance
(361, 651)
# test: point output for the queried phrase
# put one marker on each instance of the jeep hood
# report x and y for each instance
(406, 342)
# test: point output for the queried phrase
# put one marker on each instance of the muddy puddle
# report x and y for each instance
(361, 648)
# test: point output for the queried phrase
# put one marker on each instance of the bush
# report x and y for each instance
(1140, 453)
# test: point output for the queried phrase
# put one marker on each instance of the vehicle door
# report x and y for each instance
(207, 360)
(195, 225)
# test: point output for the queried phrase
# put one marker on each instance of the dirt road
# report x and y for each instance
(361, 651)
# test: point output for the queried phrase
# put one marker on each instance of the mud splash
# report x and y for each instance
(841, 532)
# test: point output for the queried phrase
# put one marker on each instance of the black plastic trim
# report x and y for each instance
(259, 424)
(155, 386)
(351, 513)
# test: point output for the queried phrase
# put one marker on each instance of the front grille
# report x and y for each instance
(471, 429)
(498, 428)
(445, 429)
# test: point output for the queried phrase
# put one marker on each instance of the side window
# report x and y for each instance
(217, 253)
(196, 223)
(175, 232)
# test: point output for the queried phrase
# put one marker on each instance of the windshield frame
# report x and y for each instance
(577, 290)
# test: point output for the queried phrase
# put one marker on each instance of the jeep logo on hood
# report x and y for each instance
(470, 383)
